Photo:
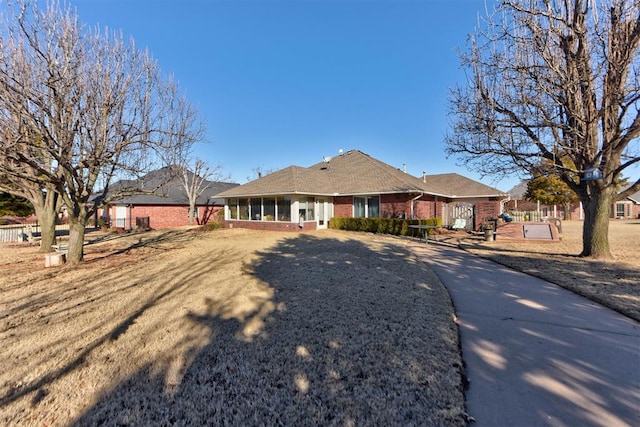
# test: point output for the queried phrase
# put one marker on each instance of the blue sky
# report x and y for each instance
(288, 82)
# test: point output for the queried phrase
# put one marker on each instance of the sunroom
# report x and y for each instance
(278, 212)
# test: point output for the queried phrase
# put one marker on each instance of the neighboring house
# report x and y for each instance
(354, 184)
(165, 206)
(518, 203)
(626, 208)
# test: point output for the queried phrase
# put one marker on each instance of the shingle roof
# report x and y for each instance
(167, 190)
(355, 172)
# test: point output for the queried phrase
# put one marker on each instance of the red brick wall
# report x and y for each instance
(343, 206)
(395, 206)
(163, 216)
(486, 209)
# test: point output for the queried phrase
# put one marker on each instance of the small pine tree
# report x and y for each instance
(551, 190)
(14, 205)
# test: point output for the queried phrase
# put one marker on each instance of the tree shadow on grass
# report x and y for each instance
(329, 332)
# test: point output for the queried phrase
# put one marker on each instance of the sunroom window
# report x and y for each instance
(269, 209)
(256, 209)
(284, 208)
(306, 209)
(233, 208)
(243, 209)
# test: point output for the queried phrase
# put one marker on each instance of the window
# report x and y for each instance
(366, 207)
(233, 208)
(306, 209)
(269, 209)
(359, 207)
(256, 209)
(374, 207)
(284, 208)
(243, 209)
(620, 210)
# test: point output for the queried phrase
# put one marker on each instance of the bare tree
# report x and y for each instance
(25, 181)
(259, 172)
(97, 106)
(46, 204)
(196, 181)
(555, 81)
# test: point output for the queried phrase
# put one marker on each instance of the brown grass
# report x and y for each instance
(228, 327)
(613, 283)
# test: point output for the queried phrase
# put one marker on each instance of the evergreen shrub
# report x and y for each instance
(394, 226)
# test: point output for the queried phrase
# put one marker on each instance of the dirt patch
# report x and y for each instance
(613, 283)
(229, 327)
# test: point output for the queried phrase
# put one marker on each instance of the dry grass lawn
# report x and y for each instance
(231, 327)
(613, 283)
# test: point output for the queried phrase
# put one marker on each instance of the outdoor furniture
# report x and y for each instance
(424, 231)
(459, 224)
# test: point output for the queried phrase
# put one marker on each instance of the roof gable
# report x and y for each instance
(165, 187)
(455, 185)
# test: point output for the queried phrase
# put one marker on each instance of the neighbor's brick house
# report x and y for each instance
(355, 184)
(165, 204)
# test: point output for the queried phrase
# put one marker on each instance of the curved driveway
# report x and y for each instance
(537, 354)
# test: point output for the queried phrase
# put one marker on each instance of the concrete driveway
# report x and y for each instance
(537, 354)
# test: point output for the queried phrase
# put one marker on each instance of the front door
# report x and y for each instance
(121, 216)
(322, 210)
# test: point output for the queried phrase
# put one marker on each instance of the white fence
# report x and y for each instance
(20, 232)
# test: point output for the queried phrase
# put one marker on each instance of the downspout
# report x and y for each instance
(503, 201)
(413, 200)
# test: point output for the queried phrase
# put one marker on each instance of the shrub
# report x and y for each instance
(213, 225)
(394, 226)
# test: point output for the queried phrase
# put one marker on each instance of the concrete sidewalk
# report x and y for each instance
(537, 354)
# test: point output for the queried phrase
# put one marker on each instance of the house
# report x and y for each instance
(159, 200)
(626, 208)
(354, 184)
(519, 206)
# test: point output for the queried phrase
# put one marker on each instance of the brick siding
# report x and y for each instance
(486, 209)
(343, 206)
(163, 216)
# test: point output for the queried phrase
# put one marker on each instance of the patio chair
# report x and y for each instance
(459, 224)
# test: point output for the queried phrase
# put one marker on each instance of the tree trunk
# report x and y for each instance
(47, 222)
(191, 215)
(46, 208)
(595, 231)
(77, 224)
(567, 211)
